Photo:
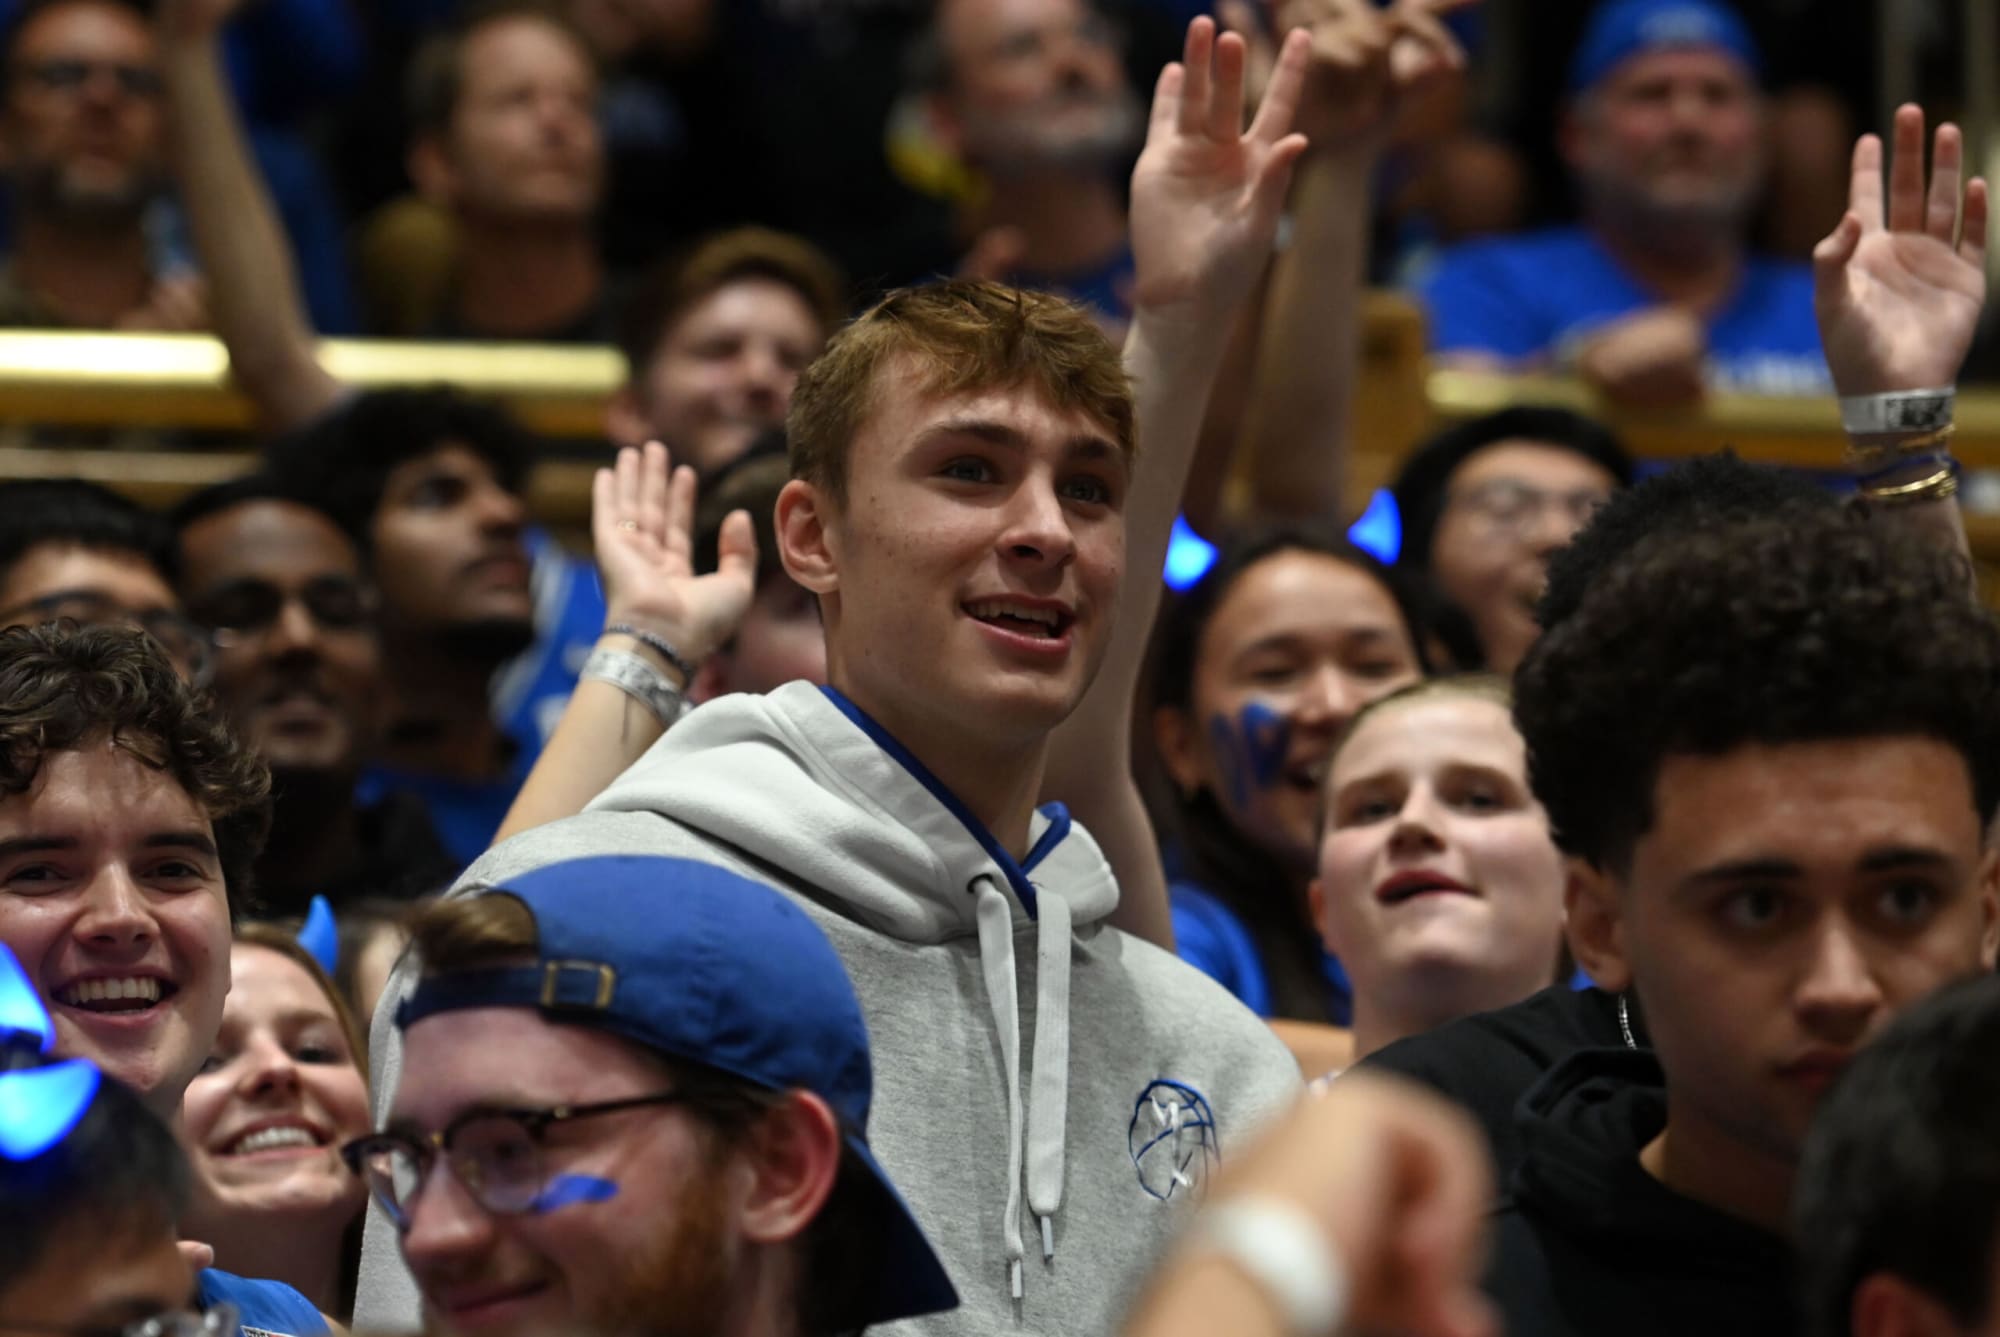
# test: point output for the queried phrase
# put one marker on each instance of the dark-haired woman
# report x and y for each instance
(1257, 669)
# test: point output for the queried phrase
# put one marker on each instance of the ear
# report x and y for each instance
(624, 422)
(431, 171)
(1174, 739)
(1316, 906)
(1989, 908)
(807, 542)
(711, 679)
(794, 1154)
(1885, 1305)
(1596, 929)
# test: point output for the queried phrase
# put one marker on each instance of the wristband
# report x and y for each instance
(1286, 1252)
(652, 640)
(638, 680)
(1898, 412)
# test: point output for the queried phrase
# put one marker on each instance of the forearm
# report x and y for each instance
(253, 290)
(1295, 429)
(603, 730)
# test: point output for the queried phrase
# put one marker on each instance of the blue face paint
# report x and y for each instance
(1250, 750)
(567, 1190)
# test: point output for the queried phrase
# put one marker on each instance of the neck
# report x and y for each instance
(519, 280)
(1683, 264)
(88, 276)
(303, 1249)
(1699, 1161)
(1071, 221)
(441, 721)
(998, 784)
(313, 836)
(766, 1296)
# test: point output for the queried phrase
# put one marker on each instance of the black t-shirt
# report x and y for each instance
(1488, 1061)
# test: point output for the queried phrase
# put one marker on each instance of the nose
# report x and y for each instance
(1416, 829)
(294, 631)
(1839, 995)
(766, 378)
(1037, 531)
(500, 511)
(1330, 698)
(269, 1070)
(447, 1226)
(115, 913)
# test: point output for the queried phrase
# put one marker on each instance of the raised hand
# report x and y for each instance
(1897, 294)
(642, 521)
(1206, 194)
(1368, 63)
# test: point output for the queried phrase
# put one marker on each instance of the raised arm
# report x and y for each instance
(1898, 286)
(1367, 63)
(253, 290)
(642, 522)
(1205, 201)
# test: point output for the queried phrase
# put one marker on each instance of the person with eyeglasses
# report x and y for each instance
(654, 1124)
(74, 551)
(129, 821)
(1483, 505)
(83, 131)
(280, 588)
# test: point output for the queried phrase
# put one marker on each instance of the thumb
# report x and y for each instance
(1837, 248)
(736, 547)
(197, 1255)
(994, 255)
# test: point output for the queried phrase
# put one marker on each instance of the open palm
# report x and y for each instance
(1206, 194)
(642, 523)
(1898, 299)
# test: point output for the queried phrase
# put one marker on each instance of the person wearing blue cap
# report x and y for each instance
(657, 1126)
(1654, 296)
(1050, 1092)
(129, 821)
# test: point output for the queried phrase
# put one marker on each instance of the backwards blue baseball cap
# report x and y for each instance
(1621, 29)
(704, 965)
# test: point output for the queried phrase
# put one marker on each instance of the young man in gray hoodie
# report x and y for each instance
(1050, 1090)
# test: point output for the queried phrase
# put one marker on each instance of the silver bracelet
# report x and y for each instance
(1898, 412)
(1286, 1252)
(638, 680)
(652, 640)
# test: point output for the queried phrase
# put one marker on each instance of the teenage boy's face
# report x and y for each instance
(1787, 902)
(448, 548)
(974, 566)
(111, 895)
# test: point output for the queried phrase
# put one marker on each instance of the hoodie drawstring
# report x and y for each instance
(1048, 1107)
(996, 961)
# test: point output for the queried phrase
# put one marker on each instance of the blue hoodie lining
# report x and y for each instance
(1017, 873)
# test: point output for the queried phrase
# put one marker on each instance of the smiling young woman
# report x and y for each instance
(284, 1088)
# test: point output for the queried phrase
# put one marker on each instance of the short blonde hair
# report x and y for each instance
(961, 335)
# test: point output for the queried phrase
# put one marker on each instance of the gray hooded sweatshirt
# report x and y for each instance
(1049, 1091)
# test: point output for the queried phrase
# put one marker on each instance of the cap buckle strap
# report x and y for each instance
(559, 979)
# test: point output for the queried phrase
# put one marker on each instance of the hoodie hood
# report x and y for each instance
(1582, 1128)
(872, 833)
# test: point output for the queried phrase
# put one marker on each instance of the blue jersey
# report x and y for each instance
(1209, 937)
(1538, 295)
(265, 1308)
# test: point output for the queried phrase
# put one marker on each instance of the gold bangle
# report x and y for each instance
(1876, 455)
(1937, 486)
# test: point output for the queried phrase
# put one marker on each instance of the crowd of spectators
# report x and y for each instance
(856, 890)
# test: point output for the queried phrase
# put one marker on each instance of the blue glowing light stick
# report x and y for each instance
(39, 1102)
(320, 936)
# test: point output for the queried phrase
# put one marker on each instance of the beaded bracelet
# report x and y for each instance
(656, 642)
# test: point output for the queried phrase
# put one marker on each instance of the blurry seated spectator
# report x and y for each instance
(1257, 669)
(715, 339)
(427, 484)
(688, 1152)
(1484, 505)
(1439, 887)
(74, 551)
(91, 1210)
(298, 673)
(1655, 295)
(504, 111)
(82, 139)
(1897, 1213)
(1033, 97)
(284, 1088)
(371, 938)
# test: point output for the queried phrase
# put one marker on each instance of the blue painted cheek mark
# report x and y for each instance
(1249, 750)
(567, 1190)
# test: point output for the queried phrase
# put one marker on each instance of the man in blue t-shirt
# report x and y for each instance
(1654, 295)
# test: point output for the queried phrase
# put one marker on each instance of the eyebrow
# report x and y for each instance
(180, 840)
(1090, 447)
(1889, 859)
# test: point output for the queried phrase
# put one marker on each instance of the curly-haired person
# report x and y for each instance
(1779, 852)
(129, 822)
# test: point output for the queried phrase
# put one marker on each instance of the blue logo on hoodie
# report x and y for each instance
(1172, 1139)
